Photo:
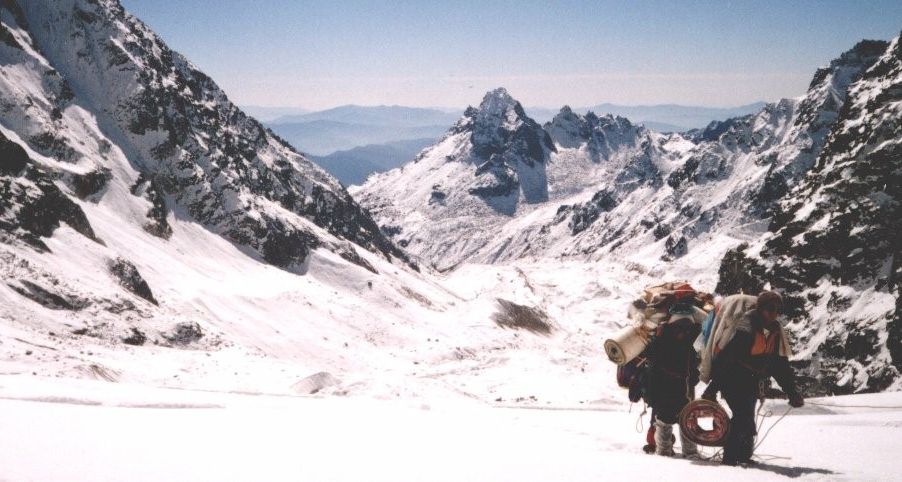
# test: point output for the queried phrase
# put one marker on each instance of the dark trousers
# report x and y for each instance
(741, 440)
(669, 395)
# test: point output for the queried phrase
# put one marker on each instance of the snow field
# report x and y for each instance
(105, 431)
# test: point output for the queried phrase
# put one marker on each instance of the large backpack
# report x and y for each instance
(659, 299)
(659, 304)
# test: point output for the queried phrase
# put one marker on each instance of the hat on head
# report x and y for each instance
(770, 301)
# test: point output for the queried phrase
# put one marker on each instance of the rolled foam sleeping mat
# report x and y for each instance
(625, 345)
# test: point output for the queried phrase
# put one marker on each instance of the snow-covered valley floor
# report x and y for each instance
(401, 394)
(95, 431)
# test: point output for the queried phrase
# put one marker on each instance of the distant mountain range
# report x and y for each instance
(353, 166)
(352, 141)
(346, 127)
(324, 137)
(342, 128)
(380, 115)
(267, 114)
(662, 118)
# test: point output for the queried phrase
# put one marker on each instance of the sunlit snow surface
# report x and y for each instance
(431, 393)
(97, 431)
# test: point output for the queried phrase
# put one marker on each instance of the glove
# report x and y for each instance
(796, 401)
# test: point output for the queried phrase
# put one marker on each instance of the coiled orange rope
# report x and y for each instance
(697, 409)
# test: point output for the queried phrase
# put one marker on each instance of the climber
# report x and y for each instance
(746, 347)
(656, 307)
(673, 373)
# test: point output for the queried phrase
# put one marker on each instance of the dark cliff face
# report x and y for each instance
(184, 136)
(510, 150)
(31, 204)
(835, 249)
(500, 126)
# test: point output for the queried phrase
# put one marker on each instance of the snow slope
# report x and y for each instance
(143, 434)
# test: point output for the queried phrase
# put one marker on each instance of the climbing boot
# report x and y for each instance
(687, 447)
(663, 438)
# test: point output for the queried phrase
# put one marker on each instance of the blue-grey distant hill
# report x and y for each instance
(354, 165)
(343, 128)
(381, 115)
(323, 137)
(267, 114)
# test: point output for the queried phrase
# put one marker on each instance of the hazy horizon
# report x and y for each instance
(320, 55)
(453, 108)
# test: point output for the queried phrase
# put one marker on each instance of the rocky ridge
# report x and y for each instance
(178, 131)
(672, 203)
(834, 249)
(116, 156)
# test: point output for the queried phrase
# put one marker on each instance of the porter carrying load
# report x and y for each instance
(649, 311)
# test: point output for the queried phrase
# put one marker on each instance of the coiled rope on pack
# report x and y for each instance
(702, 408)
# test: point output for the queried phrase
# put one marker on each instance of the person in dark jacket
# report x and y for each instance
(756, 351)
(672, 375)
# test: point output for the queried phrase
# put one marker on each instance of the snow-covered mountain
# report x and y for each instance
(834, 247)
(493, 167)
(152, 234)
(126, 173)
(669, 205)
(89, 87)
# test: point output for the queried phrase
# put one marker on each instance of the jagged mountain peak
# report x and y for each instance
(569, 129)
(497, 101)
(497, 111)
(564, 117)
(500, 127)
(862, 51)
(856, 60)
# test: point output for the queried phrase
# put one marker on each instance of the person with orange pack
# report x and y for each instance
(745, 348)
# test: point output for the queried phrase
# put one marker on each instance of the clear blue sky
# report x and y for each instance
(547, 53)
